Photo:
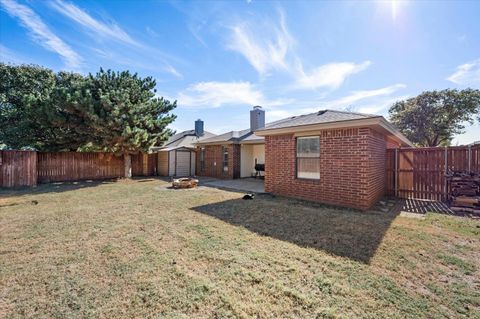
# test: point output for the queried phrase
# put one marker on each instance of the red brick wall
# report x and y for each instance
(349, 175)
(377, 149)
(214, 161)
(234, 160)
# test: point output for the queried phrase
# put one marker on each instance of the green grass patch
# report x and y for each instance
(137, 249)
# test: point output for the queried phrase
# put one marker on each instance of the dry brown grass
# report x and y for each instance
(137, 249)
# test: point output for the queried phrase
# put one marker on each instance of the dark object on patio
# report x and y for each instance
(258, 169)
(248, 196)
(184, 183)
(464, 192)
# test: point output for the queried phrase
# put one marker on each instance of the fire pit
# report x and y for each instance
(184, 183)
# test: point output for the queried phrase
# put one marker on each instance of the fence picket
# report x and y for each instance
(27, 168)
(421, 171)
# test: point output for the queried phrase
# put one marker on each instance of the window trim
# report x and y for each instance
(202, 159)
(316, 157)
(225, 151)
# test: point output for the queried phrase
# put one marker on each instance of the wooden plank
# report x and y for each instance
(18, 168)
(421, 171)
(73, 166)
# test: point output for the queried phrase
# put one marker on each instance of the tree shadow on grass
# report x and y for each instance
(54, 187)
(338, 231)
(60, 187)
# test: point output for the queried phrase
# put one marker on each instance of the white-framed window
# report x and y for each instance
(202, 159)
(225, 158)
(308, 157)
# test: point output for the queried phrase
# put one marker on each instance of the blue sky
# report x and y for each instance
(218, 59)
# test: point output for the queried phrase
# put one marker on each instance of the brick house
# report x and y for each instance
(234, 154)
(329, 156)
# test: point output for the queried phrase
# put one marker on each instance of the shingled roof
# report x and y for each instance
(185, 139)
(320, 117)
(332, 118)
(243, 136)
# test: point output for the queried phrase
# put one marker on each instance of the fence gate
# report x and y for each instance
(420, 172)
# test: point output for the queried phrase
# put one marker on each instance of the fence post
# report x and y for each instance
(145, 164)
(445, 174)
(35, 169)
(469, 158)
(396, 172)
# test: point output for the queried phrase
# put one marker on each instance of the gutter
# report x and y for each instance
(215, 143)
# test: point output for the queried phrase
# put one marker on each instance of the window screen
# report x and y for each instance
(308, 157)
(225, 159)
(202, 159)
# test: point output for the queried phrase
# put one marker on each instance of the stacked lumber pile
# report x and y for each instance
(464, 192)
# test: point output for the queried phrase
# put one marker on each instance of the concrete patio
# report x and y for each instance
(250, 185)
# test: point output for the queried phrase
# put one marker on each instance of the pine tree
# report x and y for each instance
(109, 111)
(118, 111)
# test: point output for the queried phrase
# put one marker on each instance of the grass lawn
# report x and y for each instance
(139, 250)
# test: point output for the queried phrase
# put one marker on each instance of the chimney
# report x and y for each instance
(199, 127)
(257, 118)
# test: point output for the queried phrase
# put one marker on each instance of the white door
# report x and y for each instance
(172, 158)
(193, 164)
(183, 164)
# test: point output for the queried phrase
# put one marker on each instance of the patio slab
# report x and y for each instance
(251, 185)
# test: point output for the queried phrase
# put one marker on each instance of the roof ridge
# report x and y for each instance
(184, 134)
(348, 112)
(181, 135)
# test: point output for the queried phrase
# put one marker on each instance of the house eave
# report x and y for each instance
(378, 123)
(215, 143)
(253, 142)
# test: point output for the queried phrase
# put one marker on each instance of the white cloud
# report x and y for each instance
(269, 46)
(151, 32)
(265, 46)
(195, 30)
(217, 94)
(471, 135)
(331, 75)
(380, 105)
(279, 113)
(467, 74)
(170, 69)
(41, 33)
(9, 56)
(112, 31)
(375, 101)
(158, 61)
(357, 96)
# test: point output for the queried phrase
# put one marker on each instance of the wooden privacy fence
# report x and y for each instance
(420, 172)
(27, 168)
(144, 164)
(72, 166)
(18, 168)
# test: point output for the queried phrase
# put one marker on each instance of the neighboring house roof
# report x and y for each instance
(236, 137)
(185, 139)
(327, 119)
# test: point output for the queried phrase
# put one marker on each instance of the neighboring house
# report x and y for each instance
(329, 156)
(235, 153)
(177, 157)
